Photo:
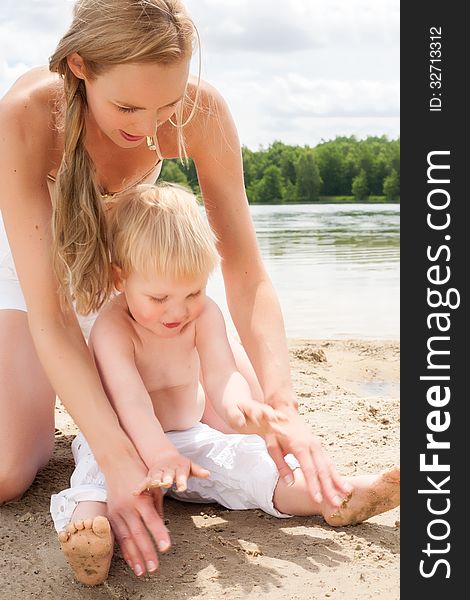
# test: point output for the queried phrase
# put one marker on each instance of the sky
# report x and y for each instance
(298, 71)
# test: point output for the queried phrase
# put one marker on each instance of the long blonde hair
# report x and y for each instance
(159, 229)
(104, 33)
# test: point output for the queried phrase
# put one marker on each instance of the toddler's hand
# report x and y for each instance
(248, 416)
(171, 467)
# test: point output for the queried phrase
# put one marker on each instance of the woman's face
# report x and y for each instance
(129, 101)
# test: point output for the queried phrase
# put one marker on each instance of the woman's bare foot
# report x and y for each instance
(372, 495)
(88, 548)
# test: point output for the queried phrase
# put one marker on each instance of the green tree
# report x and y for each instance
(269, 189)
(172, 172)
(249, 166)
(360, 186)
(391, 187)
(309, 181)
(289, 192)
(288, 161)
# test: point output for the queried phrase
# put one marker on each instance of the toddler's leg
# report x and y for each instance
(80, 518)
(88, 542)
(372, 495)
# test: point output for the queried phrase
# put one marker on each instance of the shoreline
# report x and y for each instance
(348, 392)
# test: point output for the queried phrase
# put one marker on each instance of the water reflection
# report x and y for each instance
(334, 267)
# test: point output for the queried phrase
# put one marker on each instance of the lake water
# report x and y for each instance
(335, 268)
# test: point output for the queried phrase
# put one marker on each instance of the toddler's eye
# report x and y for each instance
(158, 300)
(125, 110)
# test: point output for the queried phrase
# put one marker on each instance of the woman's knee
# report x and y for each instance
(22, 458)
(15, 479)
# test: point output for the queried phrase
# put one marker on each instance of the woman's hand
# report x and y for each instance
(133, 517)
(170, 468)
(295, 438)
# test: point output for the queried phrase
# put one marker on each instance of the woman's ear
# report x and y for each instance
(77, 65)
(118, 279)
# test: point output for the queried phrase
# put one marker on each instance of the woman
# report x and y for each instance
(112, 106)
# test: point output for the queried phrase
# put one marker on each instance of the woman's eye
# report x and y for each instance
(126, 110)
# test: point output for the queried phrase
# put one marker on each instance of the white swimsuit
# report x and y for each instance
(11, 295)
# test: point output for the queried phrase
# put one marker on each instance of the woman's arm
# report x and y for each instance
(215, 148)
(253, 304)
(26, 141)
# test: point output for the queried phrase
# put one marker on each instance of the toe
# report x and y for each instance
(71, 528)
(392, 475)
(63, 536)
(101, 526)
(79, 525)
(88, 523)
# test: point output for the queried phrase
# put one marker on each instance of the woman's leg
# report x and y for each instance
(27, 403)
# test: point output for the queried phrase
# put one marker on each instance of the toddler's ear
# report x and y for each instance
(117, 277)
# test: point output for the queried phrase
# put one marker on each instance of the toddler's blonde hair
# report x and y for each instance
(159, 229)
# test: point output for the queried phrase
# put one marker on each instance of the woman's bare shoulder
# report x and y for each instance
(207, 97)
(30, 108)
(211, 122)
(36, 93)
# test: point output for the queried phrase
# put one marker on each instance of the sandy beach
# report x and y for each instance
(349, 394)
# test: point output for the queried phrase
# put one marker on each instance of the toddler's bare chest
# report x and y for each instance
(165, 366)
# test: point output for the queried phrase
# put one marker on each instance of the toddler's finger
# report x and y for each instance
(143, 487)
(181, 480)
(236, 417)
(254, 414)
(168, 478)
(198, 471)
(265, 412)
(280, 416)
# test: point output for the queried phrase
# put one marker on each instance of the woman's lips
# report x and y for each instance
(131, 138)
(171, 325)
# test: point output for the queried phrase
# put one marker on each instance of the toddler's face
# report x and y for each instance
(162, 304)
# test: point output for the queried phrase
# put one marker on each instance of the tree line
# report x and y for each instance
(343, 169)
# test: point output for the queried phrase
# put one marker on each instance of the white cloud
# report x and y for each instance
(290, 25)
(298, 111)
(29, 32)
(297, 96)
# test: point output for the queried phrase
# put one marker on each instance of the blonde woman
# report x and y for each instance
(115, 101)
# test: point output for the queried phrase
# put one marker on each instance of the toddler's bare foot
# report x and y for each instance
(88, 548)
(372, 495)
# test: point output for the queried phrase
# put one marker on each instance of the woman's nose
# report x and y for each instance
(145, 125)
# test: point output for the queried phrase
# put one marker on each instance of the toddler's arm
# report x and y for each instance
(228, 390)
(113, 351)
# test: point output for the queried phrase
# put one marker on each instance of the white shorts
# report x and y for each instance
(242, 474)
(11, 294)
